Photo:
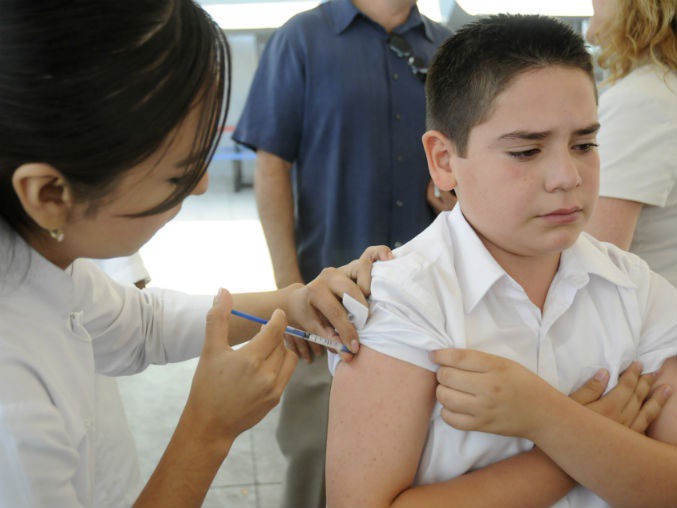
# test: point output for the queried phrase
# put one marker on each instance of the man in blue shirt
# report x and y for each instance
(336, 112)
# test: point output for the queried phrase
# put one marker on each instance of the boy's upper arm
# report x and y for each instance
(378, 422)
(664, 427)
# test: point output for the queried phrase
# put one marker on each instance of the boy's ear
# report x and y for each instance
(44, 193)
(439, 151)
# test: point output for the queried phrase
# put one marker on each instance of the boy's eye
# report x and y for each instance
(586, 147)
(526, 154)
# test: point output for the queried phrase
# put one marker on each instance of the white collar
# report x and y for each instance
(23, 269)
(478, 271)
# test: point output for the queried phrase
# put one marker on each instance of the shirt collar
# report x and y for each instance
(343, 13)
(24, 269)
(476, 269)
(589, 257)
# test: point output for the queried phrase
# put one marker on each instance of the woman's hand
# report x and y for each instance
(317, 306)
(233, 390)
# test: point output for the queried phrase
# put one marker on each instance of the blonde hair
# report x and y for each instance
(639, 31)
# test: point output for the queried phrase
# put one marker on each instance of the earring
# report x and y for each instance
(57, 234)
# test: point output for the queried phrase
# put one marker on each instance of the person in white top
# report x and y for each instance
(109, 116)
(637, 209)
(519, 305)
(117, 477)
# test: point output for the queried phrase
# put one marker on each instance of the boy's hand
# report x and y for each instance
(488, 393)
(317, 306)
(631, 402)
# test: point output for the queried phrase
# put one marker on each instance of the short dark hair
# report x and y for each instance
(478, 62)
(94, 87)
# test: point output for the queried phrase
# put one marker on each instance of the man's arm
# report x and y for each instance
(275, 203)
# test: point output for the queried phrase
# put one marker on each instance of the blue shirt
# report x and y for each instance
(330, 97)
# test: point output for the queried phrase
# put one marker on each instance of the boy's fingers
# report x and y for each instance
(465, 359)
(651, 409)
(592, 389)
(218, 318)
(270, 336)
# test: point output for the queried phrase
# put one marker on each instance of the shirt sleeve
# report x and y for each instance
(637, 140)
(131, 329)
(272, 118)
(405, 320)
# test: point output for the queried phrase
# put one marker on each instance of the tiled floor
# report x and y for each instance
(215, 241)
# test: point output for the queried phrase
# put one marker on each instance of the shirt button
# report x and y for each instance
(398, 116)
(399, 203)
(400, 158)
(398, 244)
(395, 75)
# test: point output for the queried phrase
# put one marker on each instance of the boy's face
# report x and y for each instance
(530, 177)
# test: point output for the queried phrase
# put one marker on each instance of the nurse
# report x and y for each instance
(109, 116)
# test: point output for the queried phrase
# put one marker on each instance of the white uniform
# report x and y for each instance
(444, 289)
(117, 479)
(57, 328)
(638, 152)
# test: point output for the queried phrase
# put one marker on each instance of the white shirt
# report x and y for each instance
(638, 153)
(604, 309)
(117, 478)
(57, 328)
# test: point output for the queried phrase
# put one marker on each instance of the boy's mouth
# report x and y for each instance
(563, 215)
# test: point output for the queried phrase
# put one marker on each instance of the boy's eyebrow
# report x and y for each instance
(591, 129)
(529, 135)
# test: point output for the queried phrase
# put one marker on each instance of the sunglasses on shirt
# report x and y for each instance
(399, 45)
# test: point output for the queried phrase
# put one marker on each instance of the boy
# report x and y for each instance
(512, 118)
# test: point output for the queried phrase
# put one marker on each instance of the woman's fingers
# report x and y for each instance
(323, 298)
(270, 336)
(218, 318)
(377, 253)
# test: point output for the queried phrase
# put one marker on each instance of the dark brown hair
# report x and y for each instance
(93, 87)
(478, 62)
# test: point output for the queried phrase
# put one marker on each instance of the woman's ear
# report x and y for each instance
(44, 193)
(439, 151)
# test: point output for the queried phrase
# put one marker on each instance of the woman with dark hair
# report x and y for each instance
(109, 116)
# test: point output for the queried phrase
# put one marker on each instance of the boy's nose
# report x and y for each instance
(563, 174)
(202, 185)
